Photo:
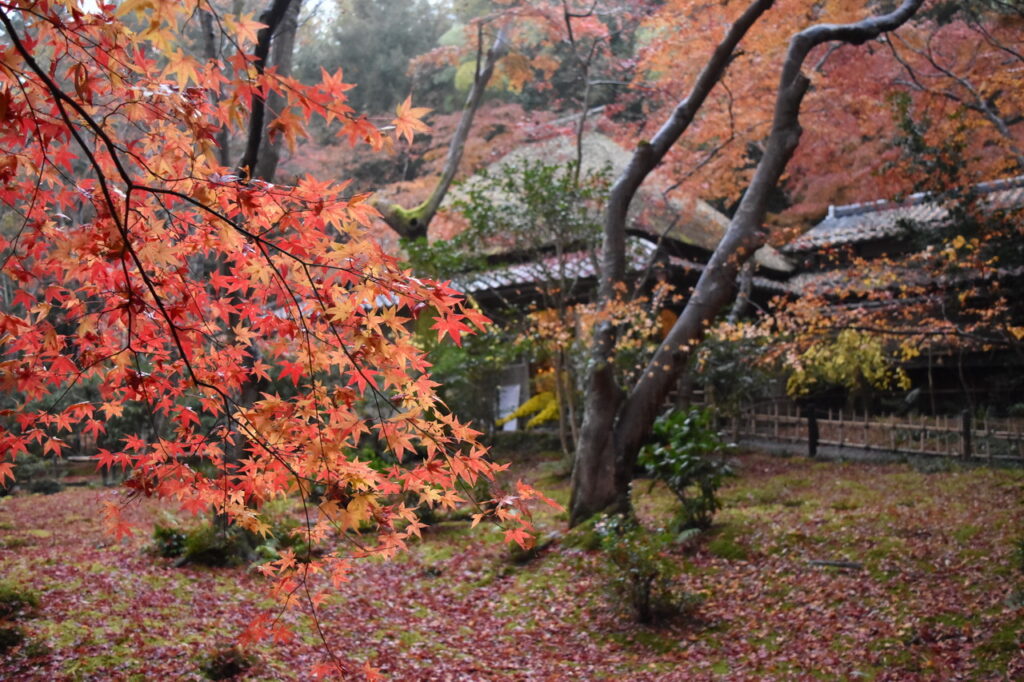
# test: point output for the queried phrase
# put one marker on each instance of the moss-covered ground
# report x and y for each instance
(813, 570)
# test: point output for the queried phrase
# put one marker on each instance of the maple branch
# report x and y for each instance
(649, 154)
(413, 223)
(996, 43)
(61, 99)
(271, 17)
(977, 103)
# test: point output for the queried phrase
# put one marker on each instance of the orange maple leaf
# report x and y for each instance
(408, 121)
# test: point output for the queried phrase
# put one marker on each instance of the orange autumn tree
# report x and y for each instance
(952, 126)
(136, 261)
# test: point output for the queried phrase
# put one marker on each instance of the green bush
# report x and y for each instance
(584, 536)
(639, 571)
(16, 599)
(45, 486)
(10, 637)
(224, 661)
(206, 545)
(169, 541)
(685, 452)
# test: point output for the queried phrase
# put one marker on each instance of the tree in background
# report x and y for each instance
(372, 42)
(952, 131)
(520, 43)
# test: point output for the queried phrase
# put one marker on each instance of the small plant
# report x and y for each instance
(207, 545)
(10, 636)
(168, 541)
(16, 599)
(640, 572)
(682, 453)
(224, 661)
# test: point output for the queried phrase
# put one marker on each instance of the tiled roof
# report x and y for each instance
(693, 220)
(580, 266)
(872, 220)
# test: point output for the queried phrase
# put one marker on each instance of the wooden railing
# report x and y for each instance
(944, 436)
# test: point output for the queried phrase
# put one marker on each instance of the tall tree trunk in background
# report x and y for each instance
(271, 18)
(616, 423)
(211, 52)
(274, 17)
(281, 57)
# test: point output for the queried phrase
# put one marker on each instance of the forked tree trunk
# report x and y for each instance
(615, 425)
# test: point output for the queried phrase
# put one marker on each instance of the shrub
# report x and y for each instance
(639, 571)
(726, 546)
(225, 661)
(209, 546)
(45, 486)
(168, 541)
(682, 454)
(16, 599)
(10, 637)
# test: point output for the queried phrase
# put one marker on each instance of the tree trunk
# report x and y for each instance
(745, 284)
(281, 56)
(614, 431)
(597, 482)
(413, 223)
(271, 18)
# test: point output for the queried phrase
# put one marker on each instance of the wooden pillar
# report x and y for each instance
(965, 434)
(812, 431)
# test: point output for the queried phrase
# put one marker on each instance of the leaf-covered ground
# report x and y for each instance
(924, 583)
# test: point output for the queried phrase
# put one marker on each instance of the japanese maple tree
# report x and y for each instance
(137, 261)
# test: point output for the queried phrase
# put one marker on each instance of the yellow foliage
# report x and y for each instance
(855, 361)
(544, 404)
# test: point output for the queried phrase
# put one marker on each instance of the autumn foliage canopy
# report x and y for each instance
(263, 332)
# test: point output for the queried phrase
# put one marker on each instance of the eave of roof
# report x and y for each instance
(874, 220)
(582, 265)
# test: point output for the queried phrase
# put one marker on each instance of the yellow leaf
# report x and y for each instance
(139, 6)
